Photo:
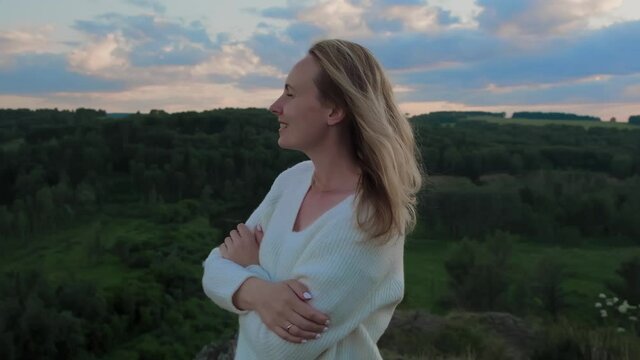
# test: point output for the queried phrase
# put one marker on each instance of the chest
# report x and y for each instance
(314, 206)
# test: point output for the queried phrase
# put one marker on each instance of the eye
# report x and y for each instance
(289, 95)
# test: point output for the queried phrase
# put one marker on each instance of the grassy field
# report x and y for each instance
(63, 256)
(12, 145)
(532, 122)
(587, 270)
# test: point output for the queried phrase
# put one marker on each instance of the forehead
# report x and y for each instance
(303, 72)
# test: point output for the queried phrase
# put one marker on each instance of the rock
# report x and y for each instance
(218, 350)
(413, 331)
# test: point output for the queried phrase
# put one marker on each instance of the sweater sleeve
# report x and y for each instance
(223, 277)
(349, 281)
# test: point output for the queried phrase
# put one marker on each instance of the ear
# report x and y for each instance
(335, 116)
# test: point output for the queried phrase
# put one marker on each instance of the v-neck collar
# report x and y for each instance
(299, 199)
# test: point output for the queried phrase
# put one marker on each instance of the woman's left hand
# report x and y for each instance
(242, 245)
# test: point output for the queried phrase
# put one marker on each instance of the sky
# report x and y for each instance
(576, 56)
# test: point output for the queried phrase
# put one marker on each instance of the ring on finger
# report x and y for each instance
(288, 327)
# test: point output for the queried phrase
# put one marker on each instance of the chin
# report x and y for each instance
(283, 144)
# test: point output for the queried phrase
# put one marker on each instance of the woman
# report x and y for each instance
(317, 270)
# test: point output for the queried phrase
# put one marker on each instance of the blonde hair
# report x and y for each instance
(384, 144)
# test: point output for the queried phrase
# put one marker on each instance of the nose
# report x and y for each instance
(276, 108)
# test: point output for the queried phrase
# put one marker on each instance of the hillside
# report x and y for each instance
(105, 223)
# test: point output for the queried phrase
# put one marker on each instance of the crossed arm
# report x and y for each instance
(344, 276)
(349, 281)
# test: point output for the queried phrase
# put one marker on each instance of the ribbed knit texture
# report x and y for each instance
(356, 283)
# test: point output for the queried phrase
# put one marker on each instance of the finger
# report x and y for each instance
(259, 234)
(223, 250)
(244, 230)
(234, 234)
(301, 290)
(312, 314)
(228, 242)
(286, 336)
(304, 328)
(304, 309)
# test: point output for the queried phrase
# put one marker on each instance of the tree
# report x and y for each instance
(95, 246)
(44, 207)
(548, 278)
(6, 220)
(627, 287)
(622, 165)
(86, 195)
(478, 272)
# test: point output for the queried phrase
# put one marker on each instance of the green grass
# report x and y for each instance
(12, 145)
(63, 255)
(425, 276)
(533, 122)
(587, 268)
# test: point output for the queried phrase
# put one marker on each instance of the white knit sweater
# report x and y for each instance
(356, 283)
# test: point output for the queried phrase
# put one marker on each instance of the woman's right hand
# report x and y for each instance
(282, 303)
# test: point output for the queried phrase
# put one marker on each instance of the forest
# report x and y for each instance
(105, 220)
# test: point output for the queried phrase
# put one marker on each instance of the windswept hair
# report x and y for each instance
(353, 80)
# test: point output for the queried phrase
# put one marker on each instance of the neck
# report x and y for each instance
(336, 165)
(318, 187)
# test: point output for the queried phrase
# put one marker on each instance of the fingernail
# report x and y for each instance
(318, 336)
(327, 322)
(325, 329)
(304, 341)
(306, 295)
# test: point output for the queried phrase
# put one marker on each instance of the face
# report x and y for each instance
(304, 121)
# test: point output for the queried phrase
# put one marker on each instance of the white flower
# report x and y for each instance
(603, 313)
(598, 305)
(620, 329)
(602, 296)
(624, 307)
(609, 302)
(633, 318)
(615, 300)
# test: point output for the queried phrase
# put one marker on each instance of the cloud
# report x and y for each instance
(174, 97)
(530, 18)
(595, 66)
(418, 51)
(38, 40)
(632, 92)
(235, 61)
(20, 41)
(153, 5)
(277, 50)
(153, 40)
(399, 2)
(279, 12)
(338, 18)
(44, 73)
(107, 53)
(420, 18)
(499, 53)
(303, 32)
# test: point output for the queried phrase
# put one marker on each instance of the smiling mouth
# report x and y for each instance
(283, 126)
